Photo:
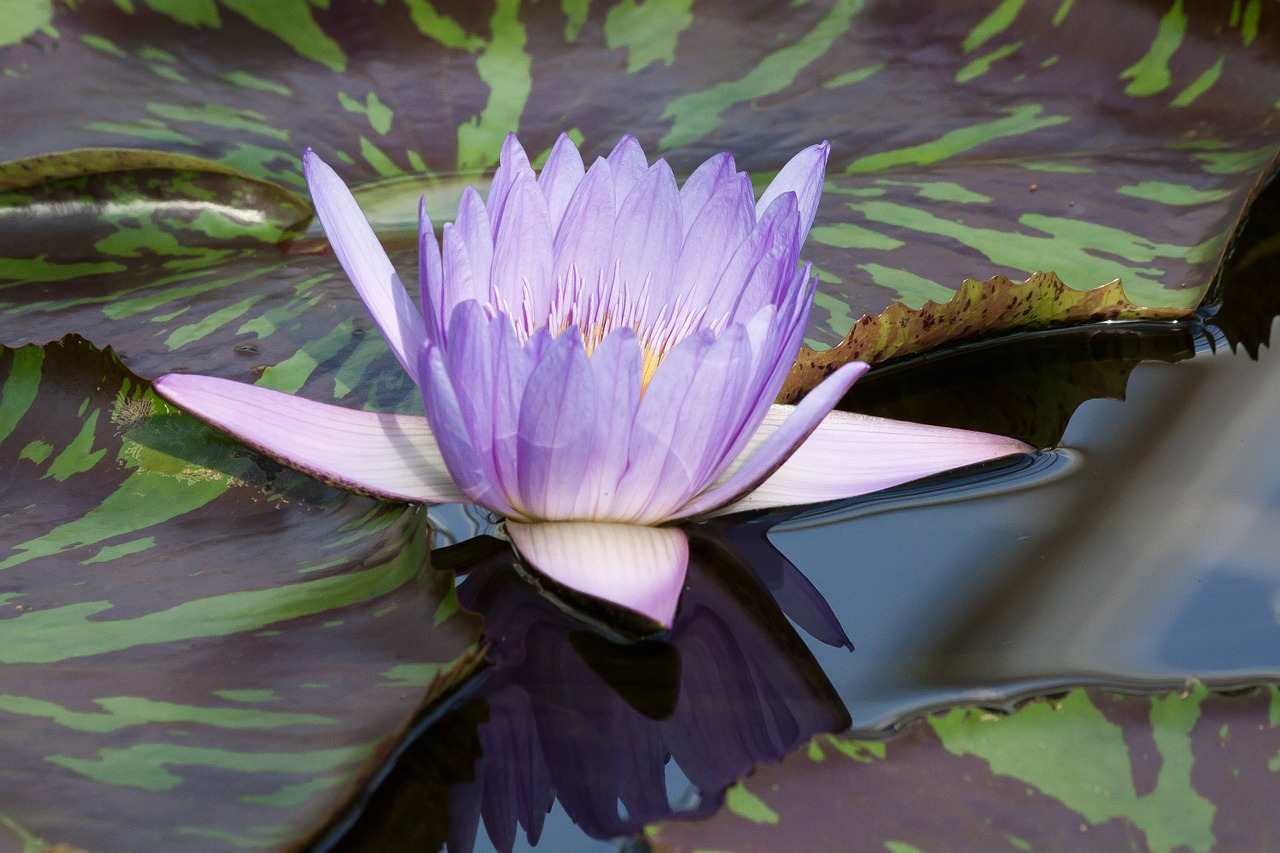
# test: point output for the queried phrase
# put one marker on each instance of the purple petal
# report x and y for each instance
(513, 167)
(522, 252)
(628, 164)
(469, 360)
(560, 177)
(450, 430)
(616, 364)
(515, 363)
(474, 229)
(557, 417)
(384, 455)
(459, 283)
(850, 454)
(640, 568)
(803, 176)
(775, 229)
(724, 221)
(780, 444)
(703, 184)
(647, 233)
(366, 262)
(585, 236)
(430, 274)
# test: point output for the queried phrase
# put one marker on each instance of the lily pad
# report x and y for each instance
(202, 689)
(1089, 770)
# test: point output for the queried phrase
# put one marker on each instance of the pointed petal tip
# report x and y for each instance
(633, 566)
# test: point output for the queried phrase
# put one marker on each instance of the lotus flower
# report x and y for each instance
(598, 352)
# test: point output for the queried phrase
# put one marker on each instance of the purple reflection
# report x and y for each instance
(593, 723)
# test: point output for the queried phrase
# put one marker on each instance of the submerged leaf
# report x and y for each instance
(979, 309)
(1090, 770)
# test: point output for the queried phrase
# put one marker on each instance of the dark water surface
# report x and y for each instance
(1140, 551)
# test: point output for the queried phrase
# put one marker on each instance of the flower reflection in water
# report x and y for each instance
(578, 718)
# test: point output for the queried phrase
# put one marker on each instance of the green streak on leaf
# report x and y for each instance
(79, 456)
(855, 76)
(293, 23)
(30, 843)
(37, 451)
(1236, 162)
(210, 323)
(1275, 705)
(1071, 243)
(982, 64)
(441, 28)
(23, 18)
(1274, 764)
(862, 751)
(143, 500)
(697, 113)
(912, 290)
(1063, 10)
(1060, 168)
(351, 374)
(266, 324)
(216, 115)
(121, 712)
(993, 24)
(251, 695)
(1172, 194)
(376, 158)
(846, 235)
(648, 29)
(169, 74)
(1017, 843)
(248, 81)
(446, 609)
(143, 765)
(747, 805)
(20, 388)
(503, 65)
(1017, 121)
(940, 191)
(156, 54)
(815, 752)
(295, 795)
(1069, 750)
(190, 13)
(1200, 85)
(411, 675)
(901, 847)
(1249, 27)
(114, 552)
(1150, 74)
(103, 44)
(575, 13)
(150, 129)
(292, 373)
(83, 629)
(839, 320)
(267, 836)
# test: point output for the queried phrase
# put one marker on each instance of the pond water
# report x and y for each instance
(1139, 552)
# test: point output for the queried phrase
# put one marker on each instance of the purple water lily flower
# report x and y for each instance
(598, 352)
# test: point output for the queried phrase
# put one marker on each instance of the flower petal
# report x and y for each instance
(640, 568)
(522, 251)
(723, 222)
(560, 176)
(647, 234)
(781, 443)
(851, 454)
(585, 236)
(628, 164)
(366, 262)
(513, 166)
(557, 423)
(476, 235)
(617, 364)
(430, 274)
(803, 176)
(385, 455)
(699, 187)
(772, 233)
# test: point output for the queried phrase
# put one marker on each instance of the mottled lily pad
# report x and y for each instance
(198, 650)
(1090, 770)
(978, 309)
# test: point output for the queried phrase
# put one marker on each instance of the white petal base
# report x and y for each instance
(640, 568)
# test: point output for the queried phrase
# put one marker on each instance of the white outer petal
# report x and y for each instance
(638, 567)
(851, 454)
(385, 455)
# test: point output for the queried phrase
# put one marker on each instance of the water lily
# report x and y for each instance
(598, 352)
